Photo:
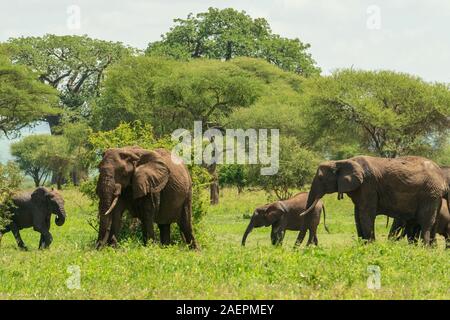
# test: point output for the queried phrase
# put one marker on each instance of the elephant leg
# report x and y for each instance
(276, 235)
(447, 237)
(396, 228)
(300, 237)
(164, 234)
(16, 233)
(273, 236)
(312, 239)
(185, 224)
(41, 241)
(148, 231)
(367, 214)
(426, 218)
(46, 240)
(358, 223)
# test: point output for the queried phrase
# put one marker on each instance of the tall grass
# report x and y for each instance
(222, 269)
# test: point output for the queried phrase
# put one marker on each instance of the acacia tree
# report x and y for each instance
(226, 34)
(74, 65)
(41, 155)
(386, 113)
(23, 100)
(173, 94)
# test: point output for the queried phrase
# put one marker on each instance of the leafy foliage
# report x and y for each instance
(226, 34)
(10, 180)
(74, 65)
(40, 155)
(297, 167)
(23, 99)
(171, 94)
(386, 113)
(233, 175)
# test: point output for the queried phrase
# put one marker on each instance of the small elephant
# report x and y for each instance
(284, 215)
(411, 229)
(34, 209)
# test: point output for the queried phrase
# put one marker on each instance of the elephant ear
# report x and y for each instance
(151, 175)
(350, 175)
(274, 212)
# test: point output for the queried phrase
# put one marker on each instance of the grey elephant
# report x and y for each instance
(152, 185)
(405, 188)
(411, 229)
(284, 215)
(34, 209)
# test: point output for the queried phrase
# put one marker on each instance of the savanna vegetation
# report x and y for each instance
(227, 70)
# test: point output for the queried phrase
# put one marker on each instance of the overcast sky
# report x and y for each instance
(405, 35)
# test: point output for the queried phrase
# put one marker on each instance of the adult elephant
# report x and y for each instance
(151, 186)
(406, 188)
(401, 228)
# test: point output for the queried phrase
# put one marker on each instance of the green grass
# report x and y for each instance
(222, 269)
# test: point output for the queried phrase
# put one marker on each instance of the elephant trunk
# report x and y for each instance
(60, 216)
(106, 188)
(247, 231)
(313, 197)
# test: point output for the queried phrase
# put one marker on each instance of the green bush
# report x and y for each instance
(297, 166)
(231, 175)
(10, 180)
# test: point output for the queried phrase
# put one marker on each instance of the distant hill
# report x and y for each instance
(5, 154)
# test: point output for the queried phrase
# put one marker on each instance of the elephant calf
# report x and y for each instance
(33, 209)
(284, 215)
(412, 230)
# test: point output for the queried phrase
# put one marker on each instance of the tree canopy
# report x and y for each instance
(385, 112)
(23, 99)
(74, 65)
(172, 94)
(40, 155)
(228, 33)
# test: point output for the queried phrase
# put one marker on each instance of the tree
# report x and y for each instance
(173, 94)
(40, 155)
(74, 65)
(228, 33)
(297, 166)
(23, 100)
(386, 113)
(233, 175)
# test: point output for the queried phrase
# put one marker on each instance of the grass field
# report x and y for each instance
(222, 269)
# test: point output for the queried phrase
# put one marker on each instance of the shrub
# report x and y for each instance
(10, 180)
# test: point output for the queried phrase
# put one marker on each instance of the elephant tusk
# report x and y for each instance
(113, 205)
(310, 208)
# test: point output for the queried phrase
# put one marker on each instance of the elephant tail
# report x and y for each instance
(324, 219)
(387, 221)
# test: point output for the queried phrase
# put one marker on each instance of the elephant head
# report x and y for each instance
(334, 176)
(116, 171)
(52, 202)
(143, 171)
(263, 217)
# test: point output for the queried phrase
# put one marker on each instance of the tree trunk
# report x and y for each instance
(214, 193)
